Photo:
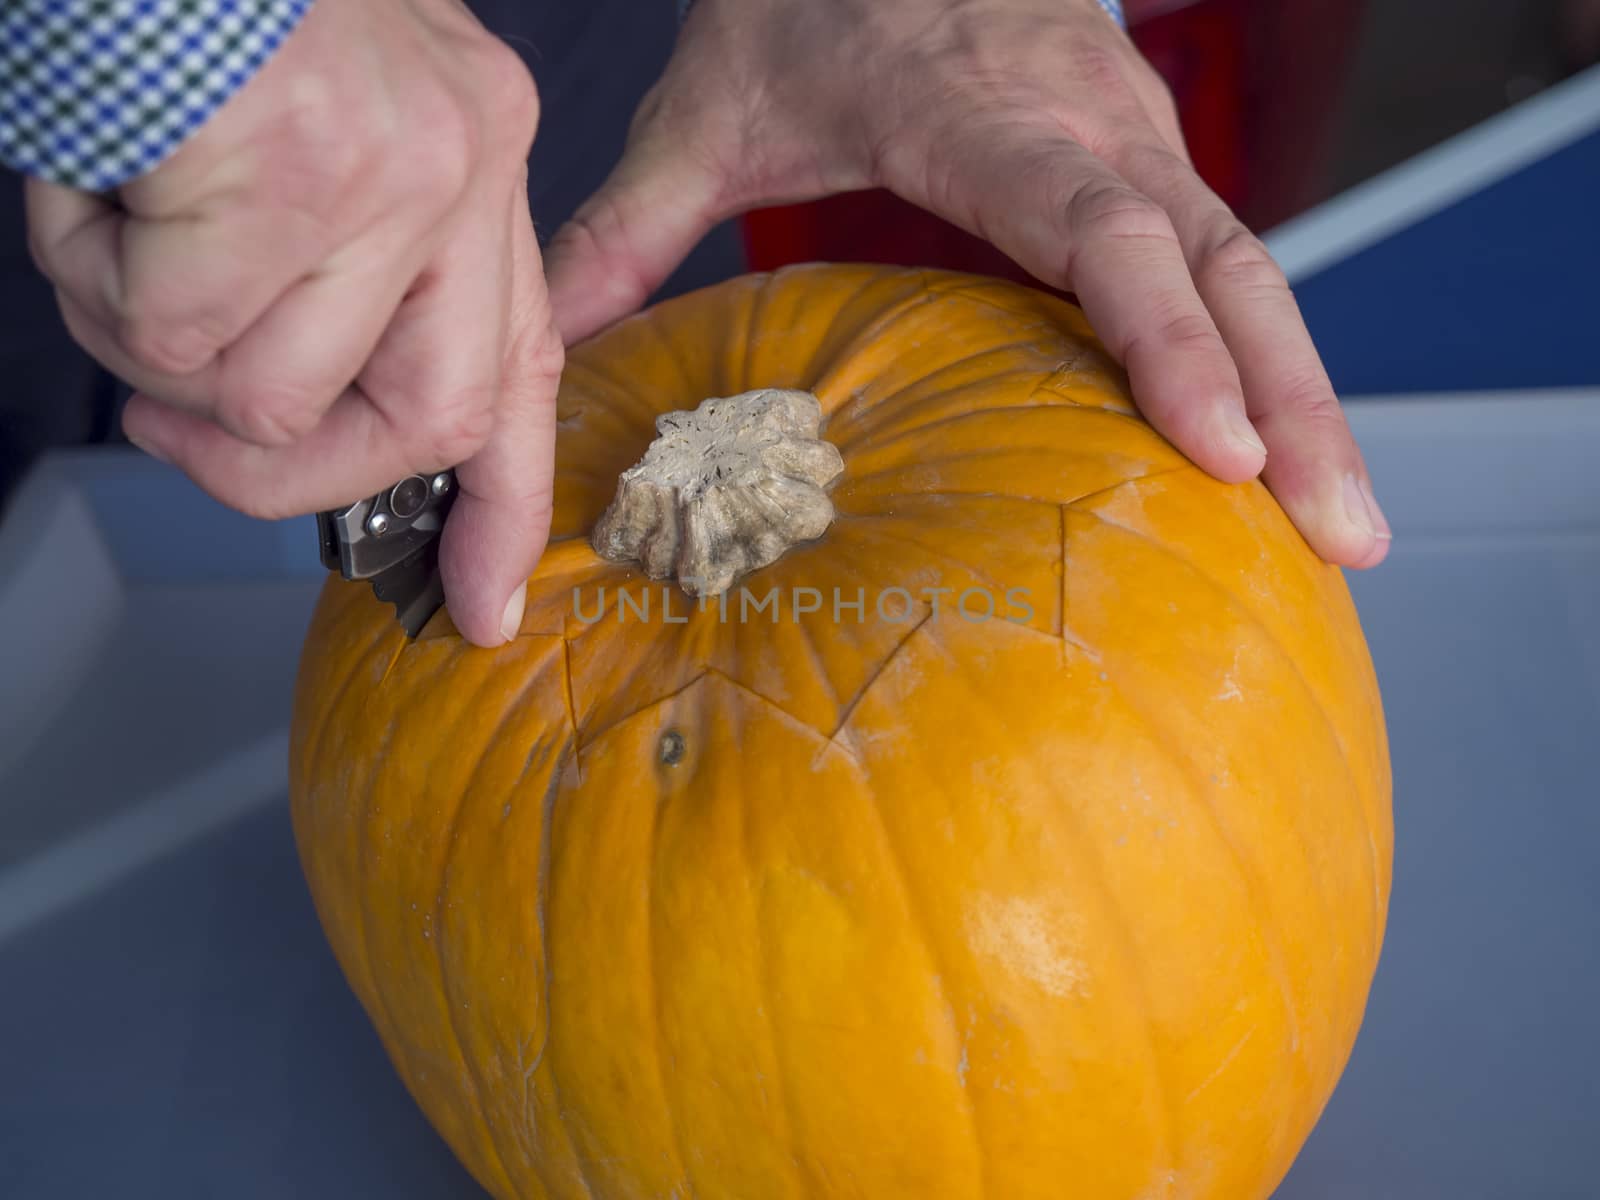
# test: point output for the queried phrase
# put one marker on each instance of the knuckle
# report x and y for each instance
(511, 95)
(547, 358)
(1310, 397)
(1239, 260)
(1100, 66)
(269, 413)
(1110, 210)
(455, 427)
(439, 166)
(312, 168)
(166, 347)
(1189, 330)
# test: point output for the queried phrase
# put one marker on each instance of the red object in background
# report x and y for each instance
(1256, 82)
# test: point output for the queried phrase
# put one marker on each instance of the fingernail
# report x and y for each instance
(1241, 433)
(149, 449)
(1362, 508)
(511, 619)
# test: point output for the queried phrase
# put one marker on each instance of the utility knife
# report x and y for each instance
(392, 541)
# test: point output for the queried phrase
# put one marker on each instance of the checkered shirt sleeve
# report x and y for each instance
(96, 92)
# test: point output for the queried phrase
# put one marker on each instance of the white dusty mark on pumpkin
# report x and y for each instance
(1230, 680)
(1029, 940)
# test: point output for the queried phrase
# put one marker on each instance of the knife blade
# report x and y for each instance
(392, 541)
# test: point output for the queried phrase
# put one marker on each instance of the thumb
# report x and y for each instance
(621, 245)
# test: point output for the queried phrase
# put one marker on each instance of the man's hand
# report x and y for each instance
(1032, 123)
(335, 284)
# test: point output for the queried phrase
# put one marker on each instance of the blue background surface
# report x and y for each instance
(1500, 290)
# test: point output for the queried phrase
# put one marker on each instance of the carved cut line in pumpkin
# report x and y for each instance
(1084, 900)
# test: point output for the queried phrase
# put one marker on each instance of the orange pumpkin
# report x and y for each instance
(1080, 898)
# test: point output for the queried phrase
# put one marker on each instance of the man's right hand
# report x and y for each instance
(335, 284)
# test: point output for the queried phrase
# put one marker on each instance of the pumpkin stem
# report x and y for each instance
(723, 490)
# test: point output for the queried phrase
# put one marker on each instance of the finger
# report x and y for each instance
(1075, 223)
(499, 525)
(275, 382)
(428, 376)
(353, 452)
(628, 237)
(75, 239)
(1313, 466)
(157, 300)
(193, 284)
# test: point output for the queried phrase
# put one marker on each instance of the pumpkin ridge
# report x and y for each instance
(393, 1032)
(977, 296)
(656, 1039)
(854, 412)
(889, 433)
(1318, 703)
(757, 306)
(669, 347)
(1253, 887)
(1111, 914)
(1162, 739)
(1116, 917)
(803, 633)
(363, 877)
(1256, 621)
(552, 795)
(512, 710)
(580, 365)
(1060, 504)
(923, 929)
(375, 636)
(953, 494)
(813, 367)
(769, 983)
(1064, 631)
(846, 354)
(1150, 464)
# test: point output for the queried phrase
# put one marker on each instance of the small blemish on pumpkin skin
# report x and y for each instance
(671, 749)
